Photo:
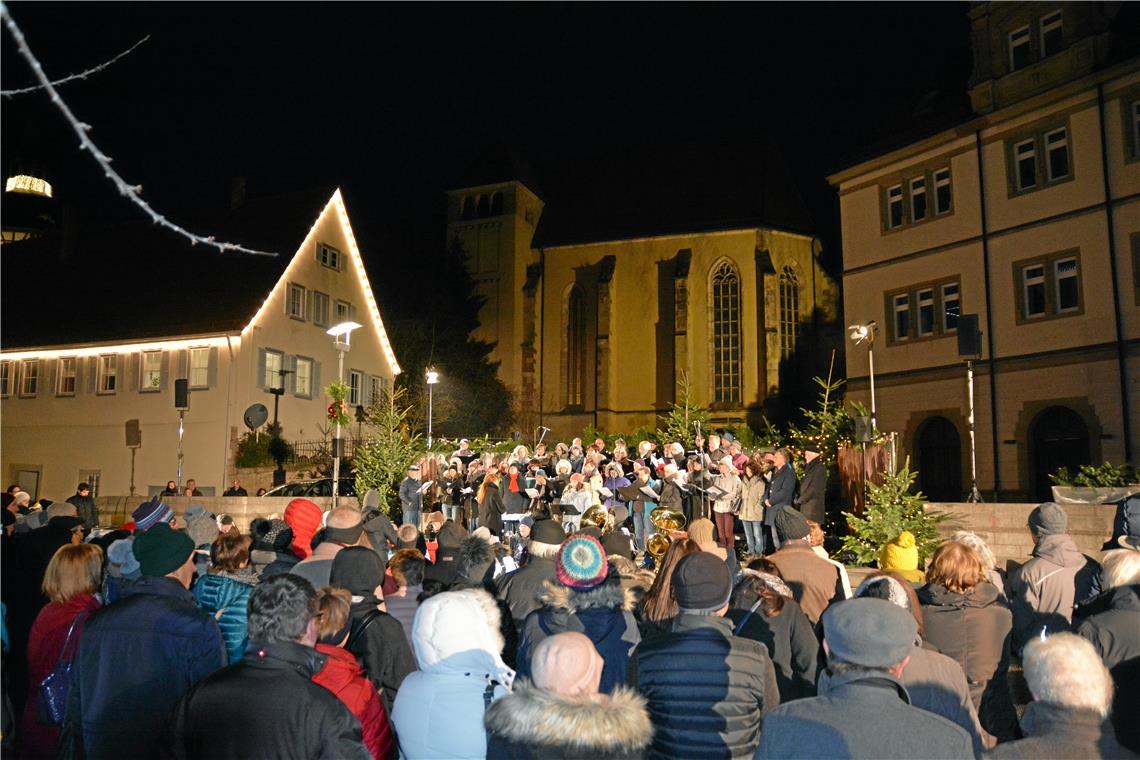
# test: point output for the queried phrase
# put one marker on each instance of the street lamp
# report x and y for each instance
(432, 378)
(342, 335)
(866, 333)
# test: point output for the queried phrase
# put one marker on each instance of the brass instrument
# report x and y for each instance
(599, 517)
(666, 521)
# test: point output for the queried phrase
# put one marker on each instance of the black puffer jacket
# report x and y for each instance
(521, 589)
(706, 689)
(1115, 633)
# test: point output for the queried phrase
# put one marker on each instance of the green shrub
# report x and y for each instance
(1107, 475)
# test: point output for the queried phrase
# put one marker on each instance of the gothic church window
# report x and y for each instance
(725, 302)
(575, 347)
(789, 311)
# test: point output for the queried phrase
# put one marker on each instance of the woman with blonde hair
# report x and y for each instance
(968, 620)
(982, 549)
(72, 578)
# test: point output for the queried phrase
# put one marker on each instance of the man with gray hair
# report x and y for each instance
(1045, 589)
(344, 527)
(1072, 697)
(267, 705)
(863, 710)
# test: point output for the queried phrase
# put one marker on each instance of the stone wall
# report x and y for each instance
(1003, 526)
(116, 510)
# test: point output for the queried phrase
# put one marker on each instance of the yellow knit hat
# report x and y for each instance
(900, 554)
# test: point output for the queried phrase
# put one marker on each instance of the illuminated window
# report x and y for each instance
(951, 306)
(725, 301)
(29, 378)
(942, 193)
(1020, 52)
(789, 312)
(575, 347)
(901, 304)
(151, 377)
(5, 379)
(107, 374)
(1033, 290)
(1057, 154)
(65, 380)
(894, 206)
(320, 308)
(329, 256)
(355, 385)
(271, 374)
(295, 302)
(303, 377)
(1052, 34)
(918, 199)
(1025, 155)
(199, 367)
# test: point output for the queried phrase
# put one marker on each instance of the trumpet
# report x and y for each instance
(665, 520)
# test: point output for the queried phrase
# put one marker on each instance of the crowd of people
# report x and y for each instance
(494, 621)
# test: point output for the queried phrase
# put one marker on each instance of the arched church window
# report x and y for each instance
(725, 311)
(789, 311)
(575, 347)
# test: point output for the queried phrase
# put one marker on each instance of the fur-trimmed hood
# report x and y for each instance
(611, 724)
(609, 595)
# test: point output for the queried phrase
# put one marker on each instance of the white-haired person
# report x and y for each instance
(985, 554)
(1072, 698)
(1113, 628)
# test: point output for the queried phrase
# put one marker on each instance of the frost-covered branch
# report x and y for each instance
(73, 77)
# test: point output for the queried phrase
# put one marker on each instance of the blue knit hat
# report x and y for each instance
(581, 563)
(151, 513)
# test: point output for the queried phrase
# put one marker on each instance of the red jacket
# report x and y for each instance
(343, 676)
(304, 517)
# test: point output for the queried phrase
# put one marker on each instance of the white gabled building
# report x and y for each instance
(136, 308)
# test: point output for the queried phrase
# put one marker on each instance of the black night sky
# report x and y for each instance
(398, 103)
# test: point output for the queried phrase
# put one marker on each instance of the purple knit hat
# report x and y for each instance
(151, 513)
(581, 563)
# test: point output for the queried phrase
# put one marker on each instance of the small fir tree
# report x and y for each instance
(684, 414)
(382, 460)
(891, 509)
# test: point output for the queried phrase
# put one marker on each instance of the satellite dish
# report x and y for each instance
(255, 416)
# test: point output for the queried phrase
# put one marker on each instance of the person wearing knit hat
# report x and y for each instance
(705, 686)
(561, 714)
(520, 589)
(202, 530)
(584, 596)
(154, 640)
(815, 580)
(270, 553)
(901, 555)
(1044, 591)
(151, 513)
(863, 709)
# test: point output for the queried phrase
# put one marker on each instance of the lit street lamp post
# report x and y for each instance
(432, 378)
(859, 334)
(342, 334)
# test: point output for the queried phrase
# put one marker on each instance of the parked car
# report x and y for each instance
(308, 488)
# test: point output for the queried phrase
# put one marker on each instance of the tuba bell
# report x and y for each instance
(599, 517)
(666, 521)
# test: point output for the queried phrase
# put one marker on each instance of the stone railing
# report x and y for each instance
(116, 510)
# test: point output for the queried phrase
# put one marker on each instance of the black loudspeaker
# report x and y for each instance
(863, 430)
(134, 434)
(182, 394)
(969, 336)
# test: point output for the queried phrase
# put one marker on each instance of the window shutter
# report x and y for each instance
(290, 365)
(212, 368)
(132, 366)
(44, 384)
(317, 391)
(259, 381)
(183, 364)
(92, 370)
(164, 371)
(78, 375)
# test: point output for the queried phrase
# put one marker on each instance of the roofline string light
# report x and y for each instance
(72, 77)
(127, 190)
(207, 341)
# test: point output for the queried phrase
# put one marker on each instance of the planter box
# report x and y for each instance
(1083, 495)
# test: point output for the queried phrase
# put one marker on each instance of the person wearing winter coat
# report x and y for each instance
(725, 505)
(85, 508)
(491, 504)
(1045, 589)
(762, 609)
(576, 499)
(224, 591)
(813, 486)
(267, 705)
(781, 492)
(1072, 697)
(447, 542)
(269, 551)
(560, 713)
(815, 582)
(1113, 628)
(407, 571)
(377, 639)
(707, 690)
(71, 582)
(863, 710)
(440, 707)
(344, 677)
(584, 598)
(344, 526)
(139, 655)
(521, 588)
(304, 517)
(752, 488)
(968, 620)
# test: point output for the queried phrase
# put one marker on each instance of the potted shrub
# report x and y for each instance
(1105, 484)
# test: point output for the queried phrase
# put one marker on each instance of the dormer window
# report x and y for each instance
(1020, 49)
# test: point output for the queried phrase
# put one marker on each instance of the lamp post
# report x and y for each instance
(866, 333)
(342, 335)
(432, 378)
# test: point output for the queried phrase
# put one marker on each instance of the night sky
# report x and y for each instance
(398, 103)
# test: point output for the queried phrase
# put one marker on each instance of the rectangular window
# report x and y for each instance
(925, 301)
(1020, 52)
(1033, 290)
(272, 376)
(303, 379)
(951, 306)
(1066, 281)
(1057, 153)
(30, 378)
(902, 316)
(65, 382)
(5, 379)
(894, 206)
(1025, 158)
(375, 389)
(199, 367)
(355, 383)
(1052, 34)
(328, 256)
(320, 309)
(942, 194)
(918, 199)
(107, 375)
(151, 377)
(295, 302)
(343, 311)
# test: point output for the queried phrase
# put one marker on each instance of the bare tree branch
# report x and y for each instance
(73, 77)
